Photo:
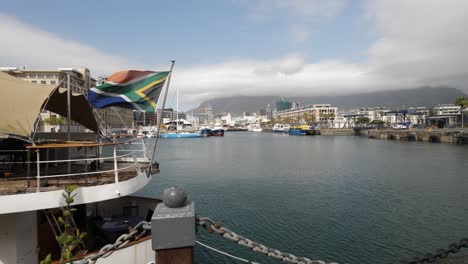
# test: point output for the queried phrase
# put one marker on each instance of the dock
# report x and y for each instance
(455, 136)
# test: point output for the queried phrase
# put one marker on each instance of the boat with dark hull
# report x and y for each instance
(206, 132)
(217, 132)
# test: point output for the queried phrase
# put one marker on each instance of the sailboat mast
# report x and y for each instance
(177, 108)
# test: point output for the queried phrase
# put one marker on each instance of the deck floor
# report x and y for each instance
(18, 181)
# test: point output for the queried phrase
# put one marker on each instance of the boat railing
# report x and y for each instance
(127, 157)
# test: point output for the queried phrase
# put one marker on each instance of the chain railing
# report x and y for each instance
(211, 226)
(121, 242)
(214, 227)
(440, 253)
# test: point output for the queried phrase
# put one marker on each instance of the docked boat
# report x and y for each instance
(37, 166)
(217, 132)
(255, 127)
(301, 130)
(180, 135)
(206, 132)
(280, 128)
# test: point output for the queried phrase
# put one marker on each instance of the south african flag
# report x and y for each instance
(133, 89)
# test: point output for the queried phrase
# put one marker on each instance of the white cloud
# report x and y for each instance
(419, 42)
(23, 44)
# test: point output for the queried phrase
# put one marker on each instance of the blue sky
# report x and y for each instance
(203, 31)
(248, 47)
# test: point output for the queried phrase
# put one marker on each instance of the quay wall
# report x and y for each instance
(336, 132)
(426, 135)
(327, 131)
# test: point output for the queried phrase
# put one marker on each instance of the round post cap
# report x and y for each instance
(175, 197)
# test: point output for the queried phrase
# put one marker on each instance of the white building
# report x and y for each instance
(446, 109)
(449, 113)
(320, 112)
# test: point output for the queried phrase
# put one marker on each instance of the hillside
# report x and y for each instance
(425, 96)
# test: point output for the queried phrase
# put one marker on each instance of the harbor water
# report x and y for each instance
(344, 199)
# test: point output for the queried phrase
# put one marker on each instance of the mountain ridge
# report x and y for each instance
(423, 96)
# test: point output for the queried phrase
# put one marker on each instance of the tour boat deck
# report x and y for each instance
(19, 182)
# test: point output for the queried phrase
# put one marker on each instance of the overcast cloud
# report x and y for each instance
(418, 43)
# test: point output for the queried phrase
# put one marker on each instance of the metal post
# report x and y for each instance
(116, 169)
(162, 112)
(46, 172)
(38, 168)
(68, 108)
(173, 228)
(68, 121)
(85, 150)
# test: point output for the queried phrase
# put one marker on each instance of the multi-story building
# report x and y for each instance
(446, 109)
(283, 104)
(319, 112)
(448, 114)
(373, 113)
(269, 112)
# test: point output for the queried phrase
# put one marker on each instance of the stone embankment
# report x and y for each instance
(427, 135)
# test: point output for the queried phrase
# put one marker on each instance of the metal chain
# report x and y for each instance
(121, 242)
(440, 253)
(212, 226)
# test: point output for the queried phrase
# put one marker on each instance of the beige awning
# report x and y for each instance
(81, 111)
(22, 102)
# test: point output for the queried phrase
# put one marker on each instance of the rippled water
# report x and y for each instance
(343, 199)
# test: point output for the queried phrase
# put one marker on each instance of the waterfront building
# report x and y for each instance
(283, 104)
(319, 113)
(446, 109)
(418, 115)
(445, 115)
(269, 112)
(373, 113)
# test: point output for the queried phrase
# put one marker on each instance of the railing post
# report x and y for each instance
(116, 169)
(173, 228)
(38, 168)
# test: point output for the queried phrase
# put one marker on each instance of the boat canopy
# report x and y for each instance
(23, 101)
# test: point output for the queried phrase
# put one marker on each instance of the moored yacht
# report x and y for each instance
(217, 132)
(280, 128)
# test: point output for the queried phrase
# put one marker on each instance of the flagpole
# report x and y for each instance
(162, 112)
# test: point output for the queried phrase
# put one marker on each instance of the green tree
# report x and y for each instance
(54, 121)
(378, 123)
(463, 103)
(308, 118)
(363, 120)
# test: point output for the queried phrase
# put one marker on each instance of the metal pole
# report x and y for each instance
(162, 112)
(68, 120)
(116, 169)
(68, 107)
(177, 108)
(38, 173)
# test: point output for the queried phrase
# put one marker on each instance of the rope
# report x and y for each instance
(225, 253)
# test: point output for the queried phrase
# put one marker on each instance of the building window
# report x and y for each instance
(43, 82)
(53, 82)
(34, 81)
